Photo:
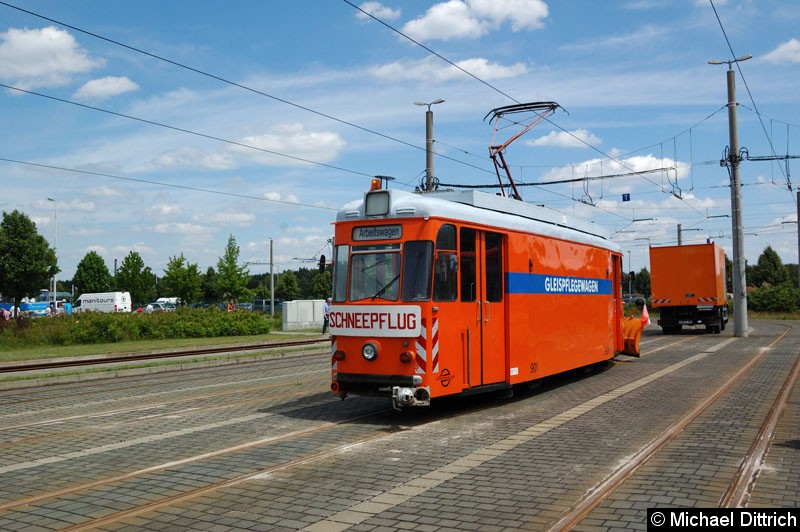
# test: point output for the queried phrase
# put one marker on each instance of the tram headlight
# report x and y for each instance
(369, 351)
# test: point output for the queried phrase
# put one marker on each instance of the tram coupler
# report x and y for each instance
(405, 396)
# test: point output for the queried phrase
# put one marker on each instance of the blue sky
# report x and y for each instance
(259, 119)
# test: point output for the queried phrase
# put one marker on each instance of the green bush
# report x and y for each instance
(98, 327)
(781, 298)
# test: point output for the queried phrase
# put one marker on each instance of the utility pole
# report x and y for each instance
(740, 327)
(429, 143)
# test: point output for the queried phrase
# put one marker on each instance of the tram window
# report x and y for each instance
(446, 237)
(494, 267)
(340, 258)
(417, 263)
(445, 274)
(467, 253)
(375, 276)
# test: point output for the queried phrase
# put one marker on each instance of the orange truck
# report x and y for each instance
(688, 286)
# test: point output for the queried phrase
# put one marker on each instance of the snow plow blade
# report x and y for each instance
(631, 332)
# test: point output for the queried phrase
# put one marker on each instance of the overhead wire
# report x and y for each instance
(307, 109)
(162, 184)
(494, 88)
(233, 83)
(747, 88)
(183, 130)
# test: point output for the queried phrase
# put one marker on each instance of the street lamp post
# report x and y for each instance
(630, 277)
(740, 326)
(55, 248)
(429, 143)
(271, 282)
(681, 230)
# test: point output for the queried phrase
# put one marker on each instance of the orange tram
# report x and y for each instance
(462, 292)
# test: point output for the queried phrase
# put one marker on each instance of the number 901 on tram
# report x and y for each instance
(461, 292)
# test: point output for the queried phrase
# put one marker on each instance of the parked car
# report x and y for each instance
(263, 305)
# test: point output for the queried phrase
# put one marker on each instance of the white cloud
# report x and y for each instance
(194, 158)
(788, 52)
(100, 250)
(180, 228)
(431, 69)
(103, 88)
(294, 141)
(457, 19)
(46, 57)
(563, 139)
(77, 205)
(378, 10)
(103, 191)
(277, 196)
(140, 247)
(638, 37)
(86, 231)
(164, 209)
(649, 165)
(228, 218)
(448, 20)
(522, 14)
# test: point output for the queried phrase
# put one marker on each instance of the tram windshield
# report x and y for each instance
(375, 272)
(383, 272)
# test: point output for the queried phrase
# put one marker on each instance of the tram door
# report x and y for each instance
(481, 298)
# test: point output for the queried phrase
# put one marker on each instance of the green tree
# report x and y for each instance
(305, 280)
(134, 277)
(792, 270)
(231, 278)
(641, 283)
(27, 262)
(769, 270)
(729, 274)
(92, 275)
(321, 285)
(182, 280)
(209, 286)
(286, 288)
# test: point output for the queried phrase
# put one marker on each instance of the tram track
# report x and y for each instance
(294, 436)
(387, 429)
(85, 389)
(189, 460)
(237, 403)
(736, 494)
(155, 356)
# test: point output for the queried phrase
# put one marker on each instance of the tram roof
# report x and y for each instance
(484, 209)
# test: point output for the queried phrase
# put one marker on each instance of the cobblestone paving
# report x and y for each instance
(519, 464)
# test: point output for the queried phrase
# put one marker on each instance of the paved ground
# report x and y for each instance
(290, 456)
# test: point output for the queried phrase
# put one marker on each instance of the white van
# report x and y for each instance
(103, 302)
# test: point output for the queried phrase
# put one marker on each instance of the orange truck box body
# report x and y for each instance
(688, 285)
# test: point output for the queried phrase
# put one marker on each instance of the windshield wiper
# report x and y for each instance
(386, 286)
